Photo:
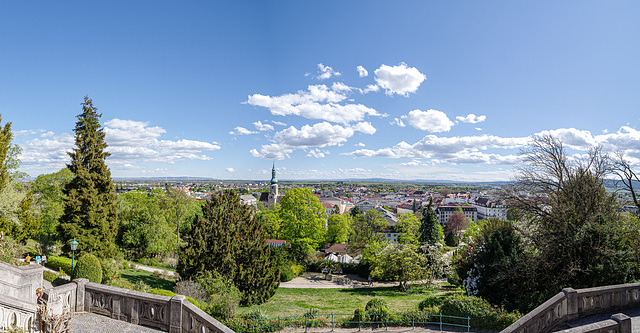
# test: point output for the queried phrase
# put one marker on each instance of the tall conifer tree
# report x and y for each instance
(428, 232)
(90, 212)
(230, 241)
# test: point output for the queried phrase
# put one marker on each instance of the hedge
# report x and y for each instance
(88, 267)
(56, 263)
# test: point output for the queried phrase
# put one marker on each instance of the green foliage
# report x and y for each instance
(88, 267)
(223, 296)
(286, 273)
(303, 219)
(339, 228)
(110, 270)
(90, 212)
(297, 269)
(49, 276)
(377, 310)
(481, 313)
(179, 210)
(144, 231)
(430, 231)
(407, 225)
(404, 263)
(169, 293)
(271, 222)
(59, 263)
(229, 241)
(430, 302)
(451, 239)
(48, 190)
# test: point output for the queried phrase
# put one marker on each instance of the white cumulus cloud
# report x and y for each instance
(326, 72)
(362, 72)
(400, 79)
(471, 118)
(230, 170)
(262, 127)
(431, 120)
(318, 102)
(241, 131)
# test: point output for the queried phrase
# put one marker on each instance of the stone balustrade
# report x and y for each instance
(171, 314)
(15, 312)
(571, 304)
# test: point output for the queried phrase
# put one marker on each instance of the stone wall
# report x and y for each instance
(20, 282)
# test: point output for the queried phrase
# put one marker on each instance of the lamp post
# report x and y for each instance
(74, 247)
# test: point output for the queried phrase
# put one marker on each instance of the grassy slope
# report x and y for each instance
(295, 302)
(133, 276)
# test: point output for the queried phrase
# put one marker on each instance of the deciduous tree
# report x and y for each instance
(303, 219)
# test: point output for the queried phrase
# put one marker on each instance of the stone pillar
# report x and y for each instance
(81, 295)
(624, 321)
(133, 305)
(175, 313)
(571, 296)
(116, 311)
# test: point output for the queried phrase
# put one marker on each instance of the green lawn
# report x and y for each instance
(133, 276)
(295, 302)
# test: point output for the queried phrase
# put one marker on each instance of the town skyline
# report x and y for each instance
(333, 91)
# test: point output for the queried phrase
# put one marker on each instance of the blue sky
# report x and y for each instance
(329, 89)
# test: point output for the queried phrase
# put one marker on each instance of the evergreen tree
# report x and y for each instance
(230, 241)
(429, 232)
(90, 212)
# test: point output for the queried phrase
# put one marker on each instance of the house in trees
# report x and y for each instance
(488, 208)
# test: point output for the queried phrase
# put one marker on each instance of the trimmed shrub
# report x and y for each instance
(57, 263)
(377, 310)
(286, 273)
(88, 267)
(430, 302)
(59, 281)
(364, 269)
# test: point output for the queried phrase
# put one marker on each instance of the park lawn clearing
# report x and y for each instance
(133, 276)
(297, 301)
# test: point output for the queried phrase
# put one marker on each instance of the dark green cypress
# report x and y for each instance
(90, 212)
(428, 232)
(231, 242)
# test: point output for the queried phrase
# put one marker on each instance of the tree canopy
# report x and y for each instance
(303, 219)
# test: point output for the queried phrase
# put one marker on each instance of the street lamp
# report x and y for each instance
(74, 247)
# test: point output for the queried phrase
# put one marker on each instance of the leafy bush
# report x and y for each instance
(88, 267)
(57, 263)
(110, 270)
(377, 310)
(430, 302)
(141, 286)
(453, 278)
(49, 276)
(481, 313)
(223, 296)
(191, 289)
(286, 273)
(451, 240)
(349, 268)
(297, 269)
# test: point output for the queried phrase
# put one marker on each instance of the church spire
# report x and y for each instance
(273, 174)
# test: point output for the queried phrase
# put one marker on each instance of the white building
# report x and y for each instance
(445, 212)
